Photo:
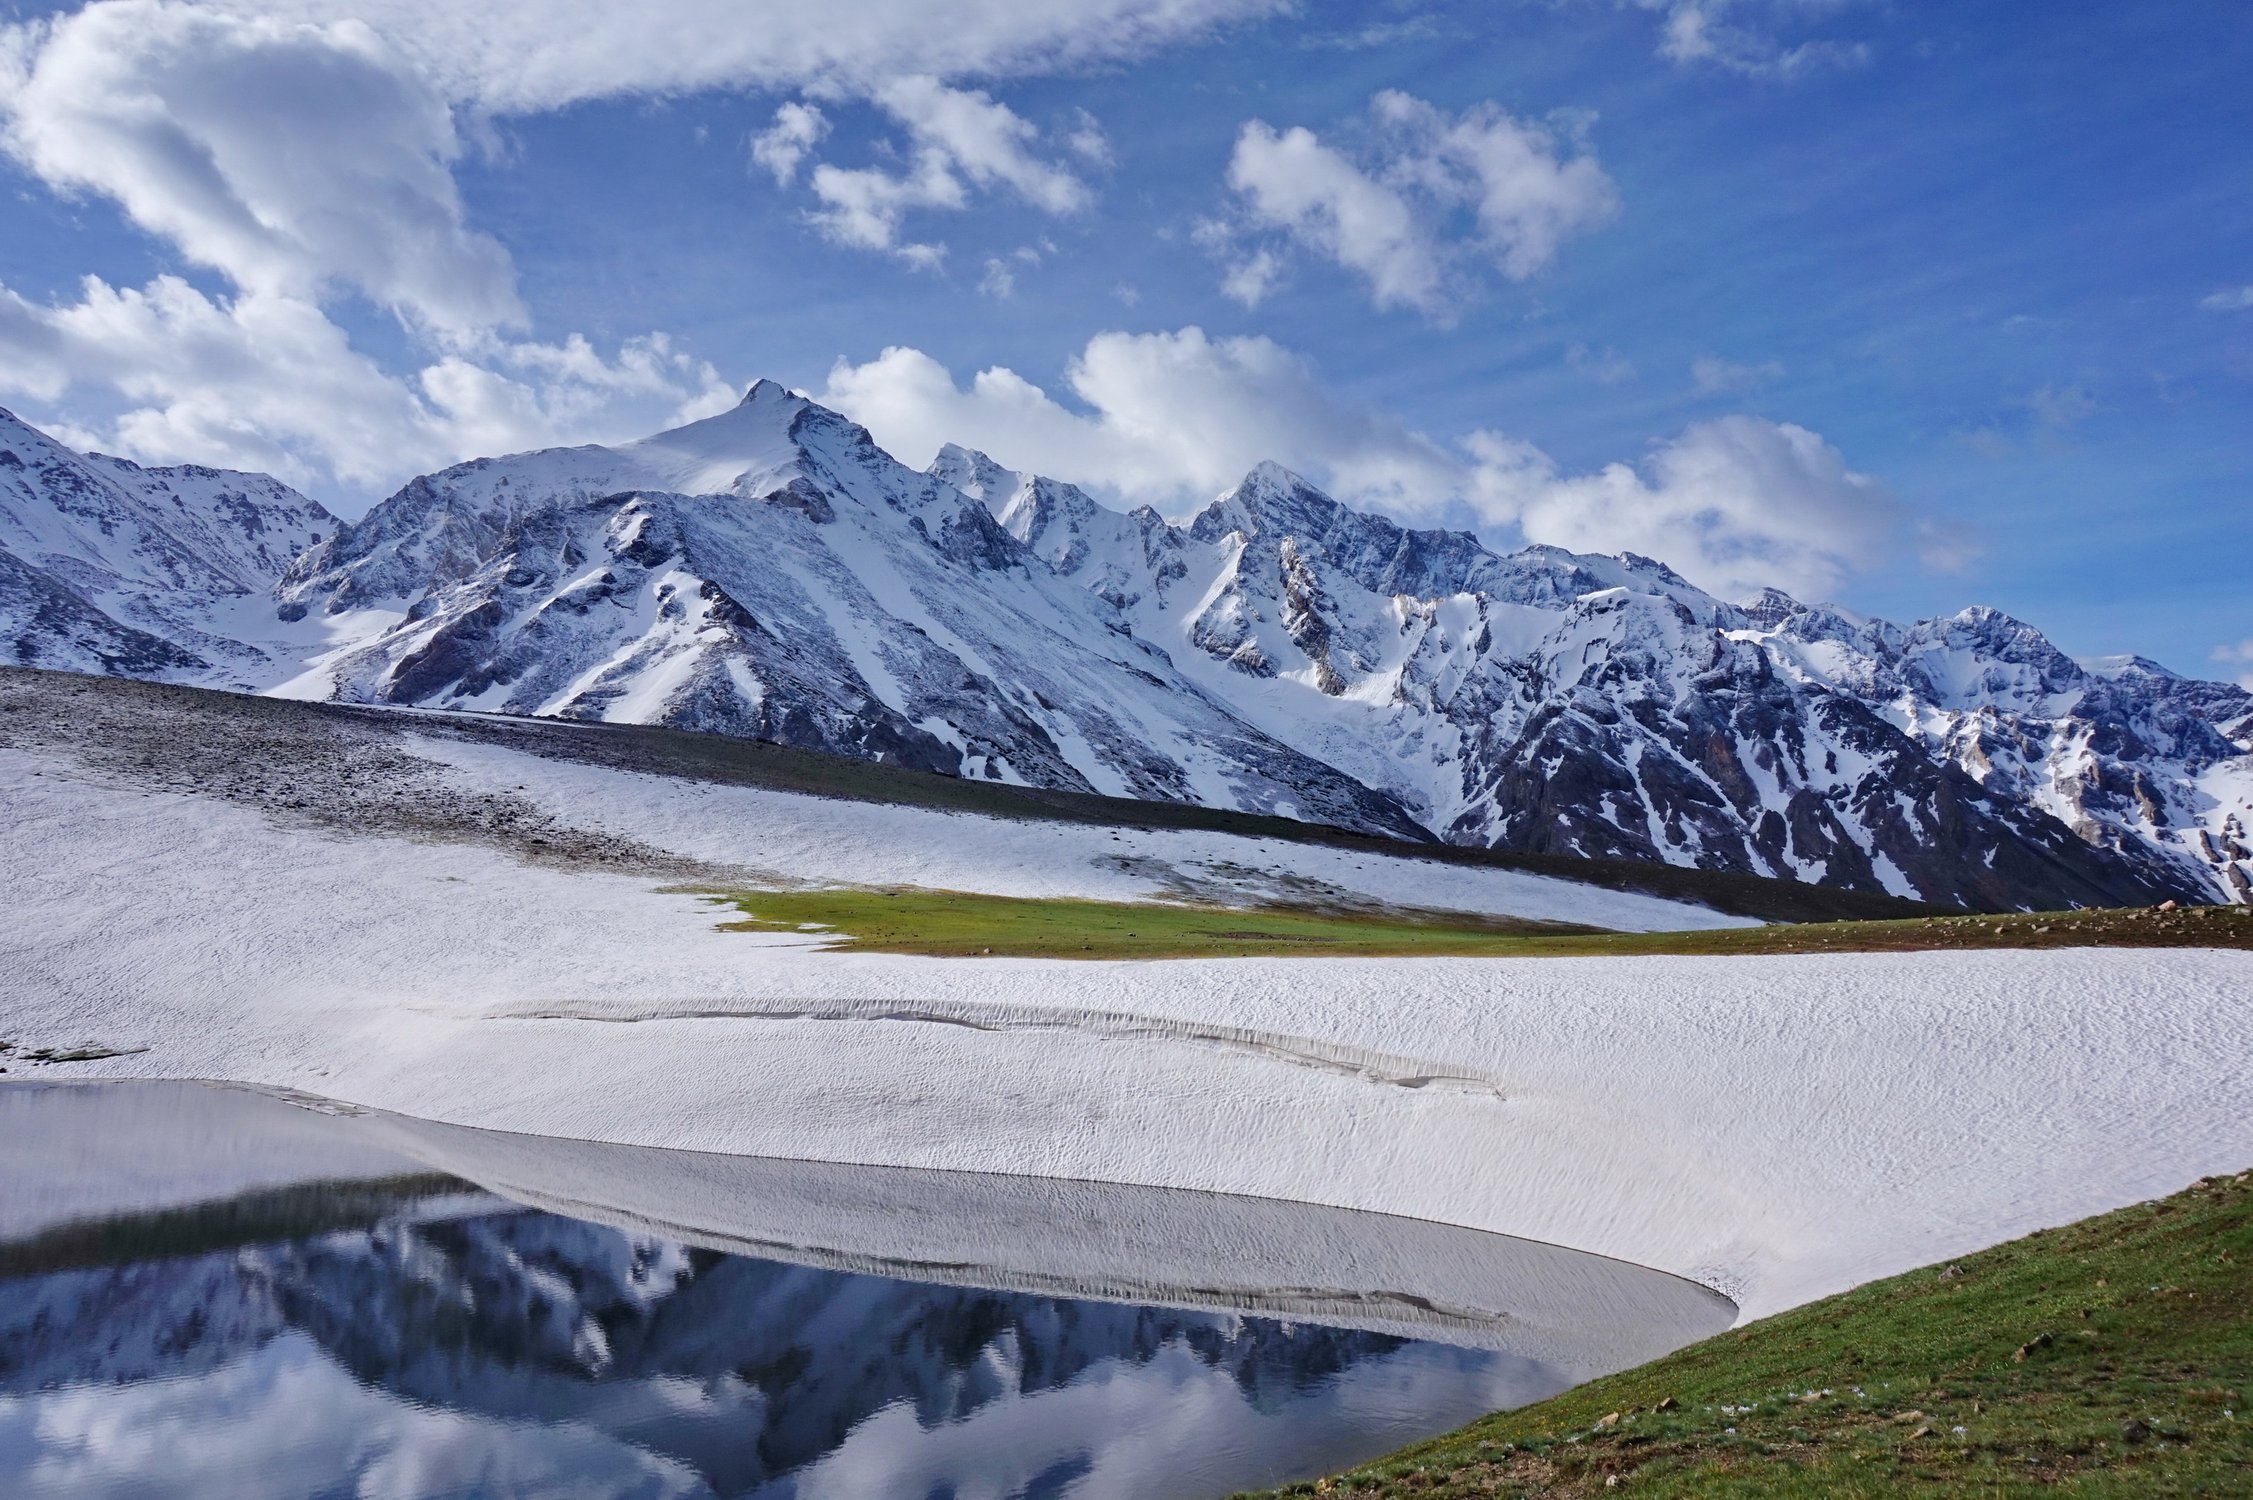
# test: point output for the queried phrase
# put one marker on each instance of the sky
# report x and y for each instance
(1903, 306)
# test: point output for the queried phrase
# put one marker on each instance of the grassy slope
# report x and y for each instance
(959, 924)
(2113, 1357)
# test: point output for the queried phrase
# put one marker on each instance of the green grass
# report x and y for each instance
(964, 924)
(961, 924)
(2110, 1358)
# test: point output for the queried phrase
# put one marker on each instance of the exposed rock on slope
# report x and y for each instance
(770, 572)
(109, 567)
(1557, 703)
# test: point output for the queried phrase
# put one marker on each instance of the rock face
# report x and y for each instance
(770, 572)
(1604, 706)
(109, 567)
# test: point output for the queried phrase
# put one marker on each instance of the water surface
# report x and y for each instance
(210, 1292)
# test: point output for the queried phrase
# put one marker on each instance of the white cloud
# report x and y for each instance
(1249, 279)
(1000, 279)
(985, 140)
(1174, 418)
(1087, 139)
(2229, 299)
(2239, 655)
(1289, 180)
(292, 157)
(1433, 195)
(797, 129)
(1714, 376)
(304, 149)
(1713, 32)
(959, 139)
(1734, 504)
(863, 206)
(525, 56)
(265, 381)
(245, 384)
(1165, 418)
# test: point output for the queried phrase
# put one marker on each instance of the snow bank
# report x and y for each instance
(824, 841)
(1777, 1127)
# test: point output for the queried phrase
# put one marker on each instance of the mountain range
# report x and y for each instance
(771, 572)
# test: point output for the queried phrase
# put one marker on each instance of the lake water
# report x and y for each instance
(214, 1292)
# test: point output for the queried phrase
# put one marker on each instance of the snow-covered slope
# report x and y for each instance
(770, 572)
(109, 567)
(1776, 1127)
(1605, 706)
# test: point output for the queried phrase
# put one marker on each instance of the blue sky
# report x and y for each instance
(1906, 305)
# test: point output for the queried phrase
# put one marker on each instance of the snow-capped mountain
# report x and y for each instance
(771, 572)
(1589, 705)
(109, 567)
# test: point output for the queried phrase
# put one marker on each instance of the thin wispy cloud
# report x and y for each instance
(1754, 38)
(1712, 375)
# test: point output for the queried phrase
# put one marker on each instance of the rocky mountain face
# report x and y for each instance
(109, 567)
(1604, 706)
(771, 572)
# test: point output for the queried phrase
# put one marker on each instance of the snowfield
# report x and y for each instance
(1777, 1128)
(812, 840)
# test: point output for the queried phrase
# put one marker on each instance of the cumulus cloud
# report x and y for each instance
(290, 156)
(1174, 418)
(1718, 33)
(1164, 418)
(305, 150)
(798, 128)
(267, 381)
(1432, 196)
(1734, 504)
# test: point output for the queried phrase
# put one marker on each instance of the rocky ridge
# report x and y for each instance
(772, 573)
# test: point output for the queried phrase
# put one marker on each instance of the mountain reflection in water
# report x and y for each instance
(411, 1335)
